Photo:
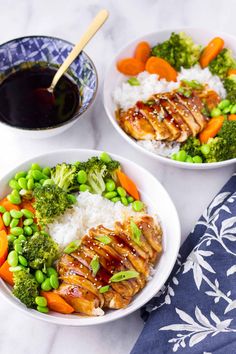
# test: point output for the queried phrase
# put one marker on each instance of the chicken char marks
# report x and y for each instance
(167, 117)
(80, 286)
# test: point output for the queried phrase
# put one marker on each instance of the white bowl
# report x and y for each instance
(113, 78)
(158, 200)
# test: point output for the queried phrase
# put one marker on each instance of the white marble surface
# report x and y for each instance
(191, 191)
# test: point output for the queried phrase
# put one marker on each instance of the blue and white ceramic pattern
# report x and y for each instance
(43, 50)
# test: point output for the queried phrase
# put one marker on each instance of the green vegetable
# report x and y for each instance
(115, 199)
(20, 174)
(27, 213)
(50, 201)
(38, 175)
(72, 198)
(124, 275)
(47, 171)
(46, 285)
(82, 177)
(25, 287)
(95, 265)
(197, 159)
(104, 239)
(110, 195)
(104, 289)
(179, 50)
(23, 261)
(35, 166)
(223, 104)
(193, 84)
(72, 246)
(16, 231)
(41, 301)
(181, 155)
(110, 185)
(28, 231)
(230, 86)
(233, 109)
(40, 250)
(124, 201)
(6, 218)
(105, 157)
(84, 188)
(205, 149)
(14, 184)
(2, 209)
(192, 146)
(14, 223)
(12, 258)
(28, 222)
(133, 81)
(216, 112)
(222, 63)
(121, 191)
(65, 176)
(135, 232)
(42, 309)
(51, 271)
(22, 183)
(54, 281)
(137, 205)
(130, 199)
(18, 247)
(39, 276)
(16, 269)
(14, 199)
(189, 159)
(16, 214)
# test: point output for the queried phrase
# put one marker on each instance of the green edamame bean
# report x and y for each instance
(16, 231)
(2, 209)
(14, 184)
(189, 159)
(105, 157)
(47, 171)
(121, 191)
(21, 238)
(14, 199)
(197, 159)
(181, 155)
(35, 166)
(110, 185)
(137, 205)
(82, 177)
(28, 231)
(51, 271)
(124, 201)
(18, 247)
(41, 301)
(173, 156)
(115, 199)
(47, 182)
(6, 218)
(34, 227)
(22, 182)
(216, 112)
(11, 238)
(84, 188)
(72, 198)
(223, 104)
(205, 149)
(130, 199)
(233, 109)
(12, 259)
(42, 309)
(16, 214)
(14, 223)
(27, 213)
(46, 285)
(37, 175)
(23, 261)
(54, 281)
(37, 185)
(15, 192)
(16, 269)
(28, 222)
(110, 195)
(30, 183)
(20, 174)
(39, 276)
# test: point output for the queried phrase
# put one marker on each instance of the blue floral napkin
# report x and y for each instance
(195, 313)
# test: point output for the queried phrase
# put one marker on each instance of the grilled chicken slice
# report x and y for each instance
(80, 285)
(195, 106)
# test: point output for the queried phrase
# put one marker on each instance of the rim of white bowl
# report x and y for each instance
(131, 141)
(118, 314)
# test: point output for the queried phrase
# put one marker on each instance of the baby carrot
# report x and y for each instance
(162, 68)
(209, 53)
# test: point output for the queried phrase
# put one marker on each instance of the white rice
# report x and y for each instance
(165, 149)
(125, 95)
(92, 210)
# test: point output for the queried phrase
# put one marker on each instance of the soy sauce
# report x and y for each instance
(21, 107)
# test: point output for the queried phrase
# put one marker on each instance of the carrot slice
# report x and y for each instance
(3, 246)
(231, 72)
(212, 49)
(162, 68)
(142, 51)
(130, 66)
(128, 184)
(232, 117)
(57, 303)
(2, 226)
(8, 205)
(5, 273)
(212, 128)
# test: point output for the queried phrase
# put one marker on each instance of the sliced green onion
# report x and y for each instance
(72, 246)
(124, 275)
(194, 84)
(133, 81)
(104, 289)
(135, 232)
(103, 239)
(185, 91)
(95, 265)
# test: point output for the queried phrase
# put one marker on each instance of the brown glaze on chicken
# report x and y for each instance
(80, 286)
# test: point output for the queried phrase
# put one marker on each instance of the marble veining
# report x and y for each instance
(191, 190)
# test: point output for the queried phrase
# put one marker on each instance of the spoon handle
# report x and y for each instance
(94, 26)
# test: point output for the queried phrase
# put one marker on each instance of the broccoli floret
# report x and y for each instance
(179, 50)
(228, 133)
(230, 86)
(40, 250)
(25, 287)
(218, 150)
(50, 202)
(192, 146)
(222, 63)
(64, 176)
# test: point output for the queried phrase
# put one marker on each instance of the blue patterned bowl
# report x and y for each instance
(46, 51)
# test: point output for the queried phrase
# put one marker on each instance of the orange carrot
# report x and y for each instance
(211, 129)
(2, 226)
(142, 51)
(231, 72)
(28, 204)
(162, 68)
(130, 66)
(128, 184)
(57, 303)
(209, 53)
(5, 273)
(8, 205)
(3, 246)
(232, 117)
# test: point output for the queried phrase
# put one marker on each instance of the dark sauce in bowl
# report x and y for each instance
(22, 107)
